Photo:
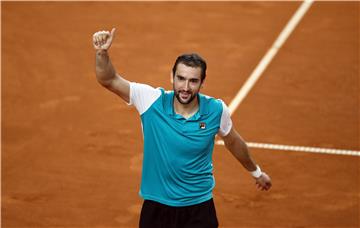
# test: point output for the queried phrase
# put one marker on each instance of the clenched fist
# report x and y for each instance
(102, 40)
(263, 182)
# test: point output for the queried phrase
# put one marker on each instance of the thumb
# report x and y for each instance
(113, 32)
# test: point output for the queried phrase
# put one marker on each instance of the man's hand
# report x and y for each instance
(102, 40)
(263, 182)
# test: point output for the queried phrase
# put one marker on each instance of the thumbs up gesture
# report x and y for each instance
(102, 40)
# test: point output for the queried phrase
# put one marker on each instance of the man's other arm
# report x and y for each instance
(237, 146)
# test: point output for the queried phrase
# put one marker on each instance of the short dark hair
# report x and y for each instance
(191, 60)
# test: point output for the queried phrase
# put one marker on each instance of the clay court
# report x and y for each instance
(72, 151)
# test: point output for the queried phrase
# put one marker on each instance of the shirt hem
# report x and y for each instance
(176, 203)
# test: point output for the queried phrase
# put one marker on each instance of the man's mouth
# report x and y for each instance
(185, 95)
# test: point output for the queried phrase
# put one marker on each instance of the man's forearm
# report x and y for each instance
(237, 146)
(105, 71)
(240, 150)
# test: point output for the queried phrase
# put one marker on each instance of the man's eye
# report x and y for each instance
(181, 78)
(194, 80)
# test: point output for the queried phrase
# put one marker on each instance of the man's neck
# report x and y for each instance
(186, 110)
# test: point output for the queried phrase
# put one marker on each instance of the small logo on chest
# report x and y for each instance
(202, 125)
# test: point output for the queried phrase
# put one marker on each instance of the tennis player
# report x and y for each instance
(179, 128)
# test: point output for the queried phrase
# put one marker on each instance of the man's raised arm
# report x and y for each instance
(105, 72)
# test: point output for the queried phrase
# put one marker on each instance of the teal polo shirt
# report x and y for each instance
(177, 163)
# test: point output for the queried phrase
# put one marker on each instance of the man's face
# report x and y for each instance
(186, 83)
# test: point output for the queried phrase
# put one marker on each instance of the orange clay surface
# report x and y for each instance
(72, 151)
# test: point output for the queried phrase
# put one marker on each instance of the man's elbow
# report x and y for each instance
(229, 142)
(234, 140)
(104, 83)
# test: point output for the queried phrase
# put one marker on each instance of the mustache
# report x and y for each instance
(184, 91)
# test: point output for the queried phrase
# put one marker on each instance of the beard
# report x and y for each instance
(188, 100)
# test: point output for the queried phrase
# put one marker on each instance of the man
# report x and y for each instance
(179, 128)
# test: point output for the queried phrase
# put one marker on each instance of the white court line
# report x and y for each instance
(298, 148)
(255, 75)
(260, 68)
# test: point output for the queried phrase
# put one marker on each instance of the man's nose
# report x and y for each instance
(186, 87)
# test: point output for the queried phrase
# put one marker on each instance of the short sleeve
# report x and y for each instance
(142, 96)
(225, 122)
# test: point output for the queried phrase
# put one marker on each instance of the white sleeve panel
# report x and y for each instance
(142, 96)
(225, 122)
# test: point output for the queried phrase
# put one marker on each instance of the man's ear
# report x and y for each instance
(171, 77)
(202, 84)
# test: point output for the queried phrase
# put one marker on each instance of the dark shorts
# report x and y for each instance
(157, 215)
